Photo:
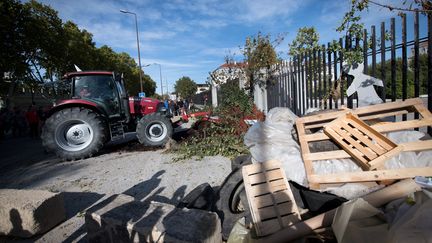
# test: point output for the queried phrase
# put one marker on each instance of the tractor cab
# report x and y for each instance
(100, 88)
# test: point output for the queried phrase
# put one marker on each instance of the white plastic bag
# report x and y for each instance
(408, 159)
(272, 139)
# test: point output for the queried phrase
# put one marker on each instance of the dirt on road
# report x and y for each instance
(147, 174)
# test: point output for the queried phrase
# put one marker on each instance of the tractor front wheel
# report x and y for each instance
(74, 133)
(154, 129)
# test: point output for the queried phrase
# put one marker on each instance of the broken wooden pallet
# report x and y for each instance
(307, 137)
(271, 201)
(368, 147)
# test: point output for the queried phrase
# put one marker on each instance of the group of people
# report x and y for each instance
(180, 107)
(19, 123)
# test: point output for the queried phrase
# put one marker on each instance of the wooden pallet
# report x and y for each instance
(307, 137)
(271, 201)
(369, 148)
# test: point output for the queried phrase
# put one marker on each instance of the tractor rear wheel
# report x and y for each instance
(154, 129)
(74, 133)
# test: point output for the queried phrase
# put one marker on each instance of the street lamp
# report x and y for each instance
(139, 56)
(160, 73)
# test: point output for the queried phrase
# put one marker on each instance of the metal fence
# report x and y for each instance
(306, 80)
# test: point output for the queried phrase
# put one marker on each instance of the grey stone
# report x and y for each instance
(24, 213)
(122, 219)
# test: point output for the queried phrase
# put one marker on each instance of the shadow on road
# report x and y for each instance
(132, 212)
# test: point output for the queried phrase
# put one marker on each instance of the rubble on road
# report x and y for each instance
(121, 218)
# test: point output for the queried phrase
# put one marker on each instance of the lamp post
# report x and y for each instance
(160, 73)
(139, 55)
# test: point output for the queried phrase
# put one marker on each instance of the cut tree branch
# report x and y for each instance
(391, 8)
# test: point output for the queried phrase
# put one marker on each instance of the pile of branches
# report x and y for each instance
(223, 135)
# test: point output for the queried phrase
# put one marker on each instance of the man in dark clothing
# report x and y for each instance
(186, 106)
(33, 121)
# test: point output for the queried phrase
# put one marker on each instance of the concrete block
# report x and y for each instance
(24, 213)
(120, 219)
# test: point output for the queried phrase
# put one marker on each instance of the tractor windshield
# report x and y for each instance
(99, 88)
(94, 87)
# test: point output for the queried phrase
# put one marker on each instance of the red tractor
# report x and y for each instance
(98, 110)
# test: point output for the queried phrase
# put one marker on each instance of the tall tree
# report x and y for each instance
(37, 47)
(307, 39)
(108, 59)
(259, 54)
(185, 87)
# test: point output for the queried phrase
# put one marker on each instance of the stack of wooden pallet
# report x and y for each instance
(274, 211)
(365, 144)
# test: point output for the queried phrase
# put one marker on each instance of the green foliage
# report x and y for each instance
(232, 96)
(306, 40)
(214, 139)
(423, 72)
(185, 87)
(224, 137)
(259, 53)
(38, 47)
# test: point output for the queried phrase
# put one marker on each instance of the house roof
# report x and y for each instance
(234, 64)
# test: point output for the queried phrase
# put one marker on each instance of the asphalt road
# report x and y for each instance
(148, 174)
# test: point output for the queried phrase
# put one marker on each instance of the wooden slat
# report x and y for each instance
(335, 154)
(273, 186)
(381, 108)
(417, 145)
(378, 163)
(272, 226)
(262, 177)
(362, 162)
(304, 150)
(375, 175)
(402, 125)
(370, 132)
(341, 154)
(275, 210)
(383, 128)
(381, 115)
(356, 143)
(365, 139)
(424, 112)
(267, 200)
(260, 167)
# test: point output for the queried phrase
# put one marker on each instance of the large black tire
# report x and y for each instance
(154, 129)
(239, 161)
(232, 203)
(74, 133)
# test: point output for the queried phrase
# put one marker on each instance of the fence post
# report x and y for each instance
(393, 58)
(330, 76)
(302, 87)
(373, 39)
(307, 80)
(404, 63)
(319, 79)
(335, 71)
(429, 85)
(324, 100)
(365, 51)
(416, 60)
(383, 74)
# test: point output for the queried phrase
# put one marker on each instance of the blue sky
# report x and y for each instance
(192, 37)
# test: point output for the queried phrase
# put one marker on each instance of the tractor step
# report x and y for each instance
(117, 131)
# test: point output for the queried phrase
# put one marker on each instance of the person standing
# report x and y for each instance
(33, 121)
(185, 106)
(180, 107)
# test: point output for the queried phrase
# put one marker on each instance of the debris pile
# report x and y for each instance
(369, 155)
